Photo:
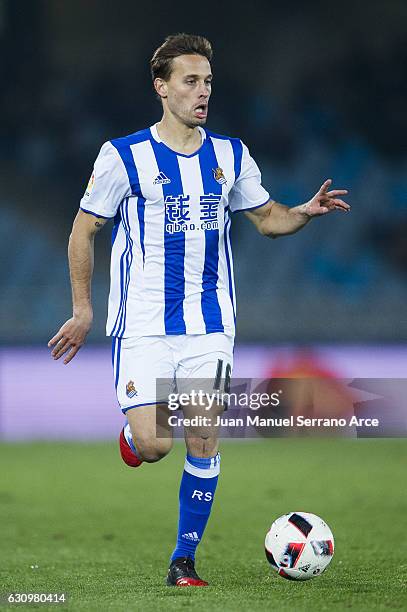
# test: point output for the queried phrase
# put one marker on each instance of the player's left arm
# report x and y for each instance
(274, 219)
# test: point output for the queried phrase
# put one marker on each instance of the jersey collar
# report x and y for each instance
(154, 134)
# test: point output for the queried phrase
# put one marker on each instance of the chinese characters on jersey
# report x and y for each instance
(177, 213)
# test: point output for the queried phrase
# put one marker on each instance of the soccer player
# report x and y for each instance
(171, 189)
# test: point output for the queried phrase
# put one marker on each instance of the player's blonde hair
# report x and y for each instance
(174, 46)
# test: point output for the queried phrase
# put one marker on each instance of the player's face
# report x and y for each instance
(189, 88)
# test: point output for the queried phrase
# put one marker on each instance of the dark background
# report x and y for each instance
(316, 90)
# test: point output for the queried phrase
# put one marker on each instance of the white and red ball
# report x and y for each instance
(299, 546)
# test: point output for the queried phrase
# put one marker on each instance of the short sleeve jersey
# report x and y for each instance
(171, 262)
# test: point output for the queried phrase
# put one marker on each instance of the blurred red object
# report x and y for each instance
(318, 391)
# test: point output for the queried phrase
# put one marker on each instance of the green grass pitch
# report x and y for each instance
(74, 519)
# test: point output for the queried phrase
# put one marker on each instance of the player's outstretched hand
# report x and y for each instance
(326, 201)
(70, 337)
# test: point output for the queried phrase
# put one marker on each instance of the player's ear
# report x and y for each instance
(161, 87)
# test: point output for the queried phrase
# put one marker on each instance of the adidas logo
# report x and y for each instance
(191, 536)
(161, 179)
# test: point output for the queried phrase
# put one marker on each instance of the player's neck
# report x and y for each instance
(178, 136)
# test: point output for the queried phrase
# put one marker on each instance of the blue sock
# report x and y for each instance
(196, 494)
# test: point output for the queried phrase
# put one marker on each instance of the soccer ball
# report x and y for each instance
(299, 546)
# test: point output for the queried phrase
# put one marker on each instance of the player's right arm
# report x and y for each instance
(107, 187)
(71, 336)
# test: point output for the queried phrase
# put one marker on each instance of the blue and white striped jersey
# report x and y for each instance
(171, 265)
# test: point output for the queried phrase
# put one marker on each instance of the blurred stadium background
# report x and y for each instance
(315, 89)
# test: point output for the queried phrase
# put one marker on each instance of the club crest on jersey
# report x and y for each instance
(90, 186)
(219, 176)
(161, 179)
(130, 389)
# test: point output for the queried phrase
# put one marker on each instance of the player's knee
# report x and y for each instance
(153, 450)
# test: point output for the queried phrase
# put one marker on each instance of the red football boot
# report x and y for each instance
(182, 573)
(127, 454)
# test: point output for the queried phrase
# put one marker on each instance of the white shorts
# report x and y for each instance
(140, 361)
